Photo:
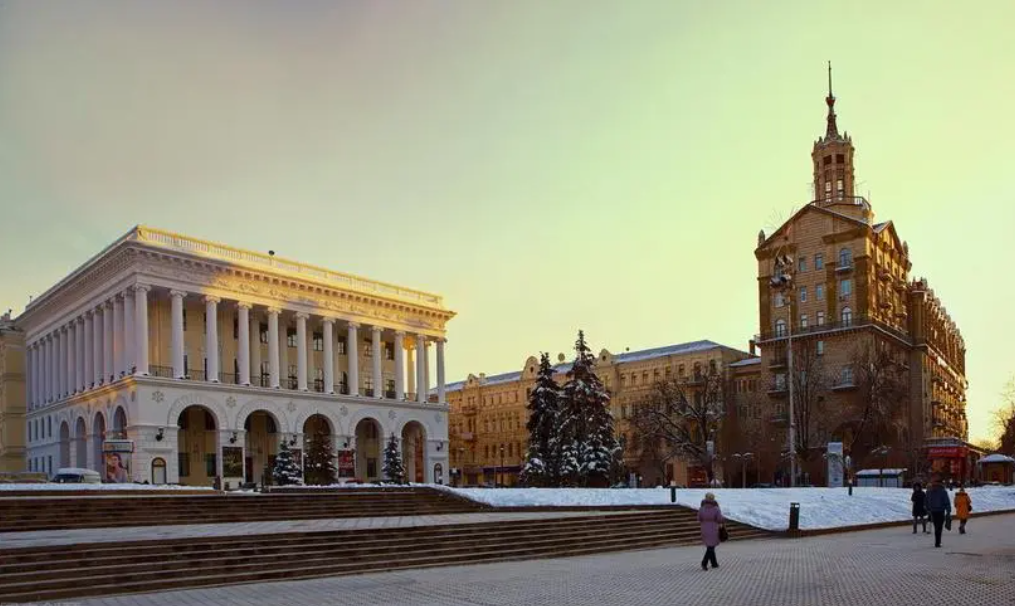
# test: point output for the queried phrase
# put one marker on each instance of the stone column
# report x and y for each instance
(243, 341)
(301, 351)
(50, 379)
(410, 370)
(378, 352)
(68, 359)
(420, 371)
(273, 362)
(117, 336)
(441, 390)
(98, 329)
(59, 365)
(255, 350)
(352, 350)
(211, 338)
(283, 353)
(329, 355)
(80, 383)
(176, 298)
(141, 328)
(426, 371)
(89, 351)
(129, 307)
(399, 365)
(33, 373)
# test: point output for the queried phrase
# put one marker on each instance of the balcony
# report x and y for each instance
(854, 323)
(779, 418)
(842, 269)
(840, 199)
(844, 386)
(777, 388)
(778, 362)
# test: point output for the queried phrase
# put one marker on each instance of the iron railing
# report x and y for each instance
(852, 323)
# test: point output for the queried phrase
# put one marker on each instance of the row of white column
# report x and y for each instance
(248, 353)
(91, 350)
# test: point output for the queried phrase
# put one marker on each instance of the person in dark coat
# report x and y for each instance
(710, 517)
(939, 504)
(919, 500)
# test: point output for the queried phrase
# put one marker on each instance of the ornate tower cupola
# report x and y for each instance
(833, 160)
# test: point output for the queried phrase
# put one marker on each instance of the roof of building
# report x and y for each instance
(746, 362)
(997, 458)
(626, 357)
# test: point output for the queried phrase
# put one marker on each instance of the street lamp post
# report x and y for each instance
(743, 458)
(785, 265)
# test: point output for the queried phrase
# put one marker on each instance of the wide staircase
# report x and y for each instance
(53, 513)
(64, 572)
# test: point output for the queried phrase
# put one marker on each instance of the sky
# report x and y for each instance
(546, 166)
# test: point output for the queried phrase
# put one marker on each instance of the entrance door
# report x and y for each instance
(159, 471)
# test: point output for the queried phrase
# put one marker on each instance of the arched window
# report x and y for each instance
(847, 316)
(845, 257)
(158, 471)
(780, 328)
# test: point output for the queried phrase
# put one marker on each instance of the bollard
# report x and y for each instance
(850, 487)
(794, 516)
(673, 494)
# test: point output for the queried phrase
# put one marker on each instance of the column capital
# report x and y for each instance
(141, 288)
(127, 292)
(376, 328)
(274, 310)
(212, 299)
(109, 304)
(303, 315)
(327, 320)
(79, 320)
(178, 293)
(400, 333)
(353, 324)
(244, 305)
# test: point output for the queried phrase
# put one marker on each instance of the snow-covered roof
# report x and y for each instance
(863, 473)
(746, 362)
(629, 356)
(997, 458)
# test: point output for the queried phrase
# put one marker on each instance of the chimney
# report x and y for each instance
(752, 347)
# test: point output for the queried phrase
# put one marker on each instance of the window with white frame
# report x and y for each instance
(845, 257)
(820, 318)
(847, 316)
(845, 288)
(819, 292)
(803, 320)
(780, 328)
(819, 261)
(846, 376)
(803, 294)
(802, 264)
(779, 299)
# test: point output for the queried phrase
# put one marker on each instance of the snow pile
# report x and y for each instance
(52, 486)
(764, 508)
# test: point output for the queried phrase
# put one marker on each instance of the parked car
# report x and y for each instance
(76, 475)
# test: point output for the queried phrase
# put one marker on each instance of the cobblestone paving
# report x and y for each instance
(38, 538)
(888, 567)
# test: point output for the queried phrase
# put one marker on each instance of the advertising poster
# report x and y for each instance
(117, 458)
(232, 462)
(346, 464)
(835, 465)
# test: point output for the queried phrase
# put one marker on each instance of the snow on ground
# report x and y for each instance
(53, 486)
(766, 508)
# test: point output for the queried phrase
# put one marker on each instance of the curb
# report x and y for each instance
(802, 534)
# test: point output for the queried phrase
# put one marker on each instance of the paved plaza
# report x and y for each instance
(889, 567)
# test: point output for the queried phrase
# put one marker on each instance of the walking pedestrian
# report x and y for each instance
(710, 517)
(963, 505)
(919, 500)
(939, 505)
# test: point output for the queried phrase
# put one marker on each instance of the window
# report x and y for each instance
(780, 381)
(803, 294)
(846, 376)
(847, 316)
(780, 328)
(839, 187)
(368, 349)
(802, 264)
(236, 328)
(265, 369)
(779, 299)
(845, 257)
(803, 320)
(341, 346)
(819, 292)
(845, 288)
(389, 351)
(262, 333)
(820, 348)
(828, 159)
(839, 158)
(290, 337)
(819, 261)
(821, 318)
(184, 320)
(318, 341)
(293, 369)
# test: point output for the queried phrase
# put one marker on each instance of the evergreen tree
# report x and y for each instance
(320, 465)
(588, 444)
(394, 471)
(541, 465)
(286, 472)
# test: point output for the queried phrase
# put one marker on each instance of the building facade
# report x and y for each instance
(169, 359)
(835, 291)
(12, 396)
(489, 438)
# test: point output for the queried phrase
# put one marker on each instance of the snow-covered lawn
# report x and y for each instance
(763, 508)
(53, 486)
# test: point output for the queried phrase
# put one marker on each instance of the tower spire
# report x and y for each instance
(832, 130)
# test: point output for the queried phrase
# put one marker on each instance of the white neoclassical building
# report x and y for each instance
(191, 360)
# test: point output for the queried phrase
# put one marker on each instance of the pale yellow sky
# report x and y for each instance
(547, 166)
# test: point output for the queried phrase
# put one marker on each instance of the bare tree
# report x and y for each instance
(882, 390)
(683, 416)
(1004, 419)
(811, 383)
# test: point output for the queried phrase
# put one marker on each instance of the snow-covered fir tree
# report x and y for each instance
(588, 444)
(286, 472)
(541, 465)
(393, 470)
(319, 465)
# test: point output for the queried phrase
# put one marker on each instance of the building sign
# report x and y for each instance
(232, 462)
(346, 464)
(946, 452)
(120, 446)
(835, 465)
